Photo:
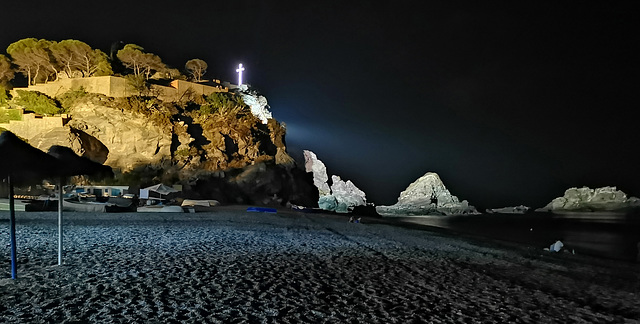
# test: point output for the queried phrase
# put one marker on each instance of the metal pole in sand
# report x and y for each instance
(60, 221)
(12, 226)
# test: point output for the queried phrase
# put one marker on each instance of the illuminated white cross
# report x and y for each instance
(239, 70)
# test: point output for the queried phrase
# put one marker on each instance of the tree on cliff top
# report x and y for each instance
(197, 68)
(133, 57)
(6, 72)
(41, 59)
(33, 59)
(76, 56)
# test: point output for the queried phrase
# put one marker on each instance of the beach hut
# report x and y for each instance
(71, 164)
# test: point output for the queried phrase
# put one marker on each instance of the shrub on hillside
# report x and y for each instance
(157, 111)
(218, 101)
(137, 84)
(9, 114)
(37, 102)
(4, 97)
(69, 98)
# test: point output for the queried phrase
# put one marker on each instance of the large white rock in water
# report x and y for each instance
(258, 104)
(427, 196)
(320, 177)
(586, 199)
(347, 195)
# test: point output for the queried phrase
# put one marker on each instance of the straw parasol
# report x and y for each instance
(21, 163)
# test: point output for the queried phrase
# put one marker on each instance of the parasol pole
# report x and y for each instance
(12, 226)
(60, 221)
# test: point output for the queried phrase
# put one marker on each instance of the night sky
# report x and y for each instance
(509, 102)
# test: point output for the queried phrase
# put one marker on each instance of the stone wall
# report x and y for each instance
(106, 85)
(198, 88)
(118, 87)
(32, 125)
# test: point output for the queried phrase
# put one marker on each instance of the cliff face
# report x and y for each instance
(119, 138)
(129, 140)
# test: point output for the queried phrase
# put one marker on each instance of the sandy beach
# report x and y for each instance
(231, 266)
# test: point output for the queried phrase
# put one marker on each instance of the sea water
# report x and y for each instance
(602, 234)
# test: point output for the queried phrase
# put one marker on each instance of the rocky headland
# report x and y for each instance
(222, 146)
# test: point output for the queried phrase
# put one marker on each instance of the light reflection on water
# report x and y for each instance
(610, 235)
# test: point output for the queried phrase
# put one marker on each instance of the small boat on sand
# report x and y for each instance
(156, 205)
(98, 204)
(160, 209)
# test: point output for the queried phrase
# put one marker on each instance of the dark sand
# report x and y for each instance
(231, 266)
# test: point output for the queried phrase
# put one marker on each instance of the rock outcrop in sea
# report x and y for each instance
(342, 196)
(509, 210)
(427, 196)
(588, 200)
(347, 195)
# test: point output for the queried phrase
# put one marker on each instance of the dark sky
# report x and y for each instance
(510, 102)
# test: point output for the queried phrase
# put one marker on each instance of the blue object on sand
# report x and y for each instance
(262, 210)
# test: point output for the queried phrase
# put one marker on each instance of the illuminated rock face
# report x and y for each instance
(586, 199)
(347, 195)
(427, 196)
(130, 140)
(320, 178)
(114, 137)
(342, 196)
(258, 104)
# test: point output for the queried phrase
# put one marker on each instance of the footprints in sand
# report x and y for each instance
(284, 269)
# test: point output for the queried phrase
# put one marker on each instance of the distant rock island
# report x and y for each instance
(427, 196)
(591, 200)
(509, 210)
